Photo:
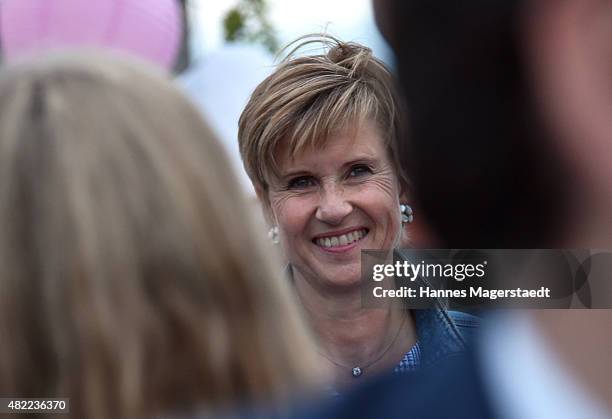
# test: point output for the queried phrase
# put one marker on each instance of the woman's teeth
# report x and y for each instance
(342, 240)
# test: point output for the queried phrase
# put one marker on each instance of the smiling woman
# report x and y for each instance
(318, 139)
(333, 201)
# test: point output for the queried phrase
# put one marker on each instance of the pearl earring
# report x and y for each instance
(407, 214)
(273, 235)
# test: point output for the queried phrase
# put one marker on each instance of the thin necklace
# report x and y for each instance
(357, 370)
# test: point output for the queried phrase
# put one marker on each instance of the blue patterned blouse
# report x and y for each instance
(410, 362)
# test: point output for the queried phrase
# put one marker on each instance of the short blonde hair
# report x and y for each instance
(132, 278)
(309, 97)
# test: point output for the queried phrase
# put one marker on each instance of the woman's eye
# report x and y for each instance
(359, 170)
(301, 182)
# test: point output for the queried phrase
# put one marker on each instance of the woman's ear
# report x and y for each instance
(404, 187)
(405, 197)
(262, 196)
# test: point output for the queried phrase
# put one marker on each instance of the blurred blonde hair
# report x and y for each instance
(132, 278)
(309, 97)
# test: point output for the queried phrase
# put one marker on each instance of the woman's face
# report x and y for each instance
(332, 202)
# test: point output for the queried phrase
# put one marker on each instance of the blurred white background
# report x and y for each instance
(348, 19)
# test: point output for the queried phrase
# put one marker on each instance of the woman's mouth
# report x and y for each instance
(341, 240)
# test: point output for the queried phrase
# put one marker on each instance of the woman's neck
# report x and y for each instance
(353, 336)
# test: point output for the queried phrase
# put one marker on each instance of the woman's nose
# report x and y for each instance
(333, 207)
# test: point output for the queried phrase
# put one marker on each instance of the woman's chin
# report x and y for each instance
(347, 276)
(343, 283)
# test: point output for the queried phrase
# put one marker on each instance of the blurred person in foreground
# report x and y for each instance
(318, 138)
(510, 105)
(132, 280)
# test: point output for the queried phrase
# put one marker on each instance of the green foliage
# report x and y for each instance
(248, 22)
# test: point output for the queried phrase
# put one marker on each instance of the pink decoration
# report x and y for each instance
(150, 29)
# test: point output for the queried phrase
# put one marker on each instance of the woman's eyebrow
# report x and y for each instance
(295, 172)
(358, 160)
(355, 160)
